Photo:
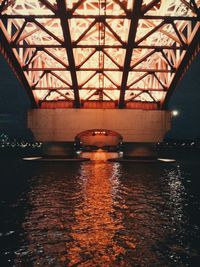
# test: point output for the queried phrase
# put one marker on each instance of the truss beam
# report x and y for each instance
(188, 57)
(16, 67)
(79, 51)
(131, 39)
(68, 45)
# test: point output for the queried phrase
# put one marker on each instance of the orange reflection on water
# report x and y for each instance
(100, 155)
(93, 233)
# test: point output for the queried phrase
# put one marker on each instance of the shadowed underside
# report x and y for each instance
(99, 53)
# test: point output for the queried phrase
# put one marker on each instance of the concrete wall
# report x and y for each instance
(65, 124)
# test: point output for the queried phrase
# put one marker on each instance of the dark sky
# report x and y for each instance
(186, 99)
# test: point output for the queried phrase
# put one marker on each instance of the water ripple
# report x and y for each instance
(103, 214)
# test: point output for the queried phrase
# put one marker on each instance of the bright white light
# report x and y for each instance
(175, 113)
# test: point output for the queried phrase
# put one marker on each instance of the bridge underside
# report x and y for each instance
(99, 53)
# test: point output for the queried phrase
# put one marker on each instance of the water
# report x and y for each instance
(100, 214)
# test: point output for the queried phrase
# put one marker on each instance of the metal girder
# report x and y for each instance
(100, 50)
(68, 45)
(149, 6)
(188, 57)
(15, 66)
(131, 39)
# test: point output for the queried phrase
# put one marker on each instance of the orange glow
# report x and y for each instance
(99, 33)
(95, 220)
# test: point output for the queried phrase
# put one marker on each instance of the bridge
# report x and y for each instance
(99, 64)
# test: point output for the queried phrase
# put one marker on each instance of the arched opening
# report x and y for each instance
(98, 144)
(95, 139)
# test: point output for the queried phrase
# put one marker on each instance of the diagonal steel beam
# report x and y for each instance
(85, 32)
(120, 3)
(161, 24)
(193, 50)
(148, 7)
(86, 59)
(48, 5)
(136, 13)
(55, 57)
(115, 84)
(88, 79)
(117, 37)
(61, 4)
(143, 59)
(192, 5)
(80, 2)
(5, 4)
(42, 27)
(60, 78)
(111, 58)
(138, 79)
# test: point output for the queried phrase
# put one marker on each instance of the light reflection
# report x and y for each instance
(177, 194)
(106, 214)
(94, 228)
(99, 155)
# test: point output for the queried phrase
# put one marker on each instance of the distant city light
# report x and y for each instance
(175, 113)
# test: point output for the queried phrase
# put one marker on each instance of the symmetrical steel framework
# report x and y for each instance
(125, 53)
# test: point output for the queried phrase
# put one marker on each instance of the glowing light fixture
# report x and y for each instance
(175, 113)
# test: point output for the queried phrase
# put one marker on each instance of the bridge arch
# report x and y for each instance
(62, 66)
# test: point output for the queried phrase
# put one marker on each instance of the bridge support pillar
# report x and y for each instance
(136, 127)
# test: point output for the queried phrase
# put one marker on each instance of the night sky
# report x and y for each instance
(186, 99)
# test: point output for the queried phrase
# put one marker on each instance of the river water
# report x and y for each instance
(99, 213)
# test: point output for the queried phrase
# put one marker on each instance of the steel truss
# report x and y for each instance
(123, 52)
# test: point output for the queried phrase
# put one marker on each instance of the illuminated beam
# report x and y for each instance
(48, 5)
(61, 4)
(16, 67)
(5, 4)
(88, 79)
(150, 6)
(143, 59)
(106, 89)
(136, 13)
(63, 46)
(120, 3)
(193, 50)
(97, 69)
(100, 47)
(68, 16)
(42, 27)
(99, 17)
(191, 5)
(15, 38)
(170, 18)
(87, 58)
(135, 96)
(77, 4)
(85, 32)
(60, 78)
(112, 59)
(138, 79)
(157, 27)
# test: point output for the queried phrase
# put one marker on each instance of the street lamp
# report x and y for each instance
(175, 113)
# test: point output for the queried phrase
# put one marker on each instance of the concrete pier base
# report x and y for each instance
(59, 149)
(139, 150)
